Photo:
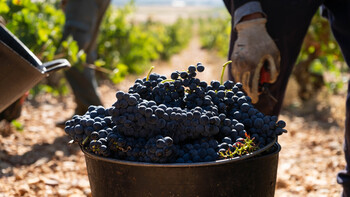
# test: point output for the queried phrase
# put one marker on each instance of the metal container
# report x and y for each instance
(245, 176)
(20, 69)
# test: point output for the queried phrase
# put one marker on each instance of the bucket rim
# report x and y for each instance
(196, 164)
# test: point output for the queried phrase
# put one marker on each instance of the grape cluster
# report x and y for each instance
(202, 150)
(160, 149)
(181, 119)
(94, 126)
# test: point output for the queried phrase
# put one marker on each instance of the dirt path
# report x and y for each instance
(38, 162)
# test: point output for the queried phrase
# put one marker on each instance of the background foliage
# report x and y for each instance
(320, 62)
(124, 46)
(131, 46)
(215, 33)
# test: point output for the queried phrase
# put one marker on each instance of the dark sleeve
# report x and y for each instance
(240, 8)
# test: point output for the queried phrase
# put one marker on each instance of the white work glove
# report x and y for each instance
(255, 57)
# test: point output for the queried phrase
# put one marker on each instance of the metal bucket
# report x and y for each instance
(253, 176)
(20, 69)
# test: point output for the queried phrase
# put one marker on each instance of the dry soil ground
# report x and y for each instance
(38, 161)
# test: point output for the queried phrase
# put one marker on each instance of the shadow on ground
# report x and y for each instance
(38, 153)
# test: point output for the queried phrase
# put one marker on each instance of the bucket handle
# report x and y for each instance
(54, 65)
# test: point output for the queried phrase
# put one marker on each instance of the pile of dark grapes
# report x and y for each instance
(177, 120)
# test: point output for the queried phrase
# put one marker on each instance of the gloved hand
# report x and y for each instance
(255, 57)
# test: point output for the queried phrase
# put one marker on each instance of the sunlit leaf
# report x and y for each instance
(18, 126)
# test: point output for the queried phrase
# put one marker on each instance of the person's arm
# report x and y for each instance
(242, 10)
(255, 57)
(246, 11)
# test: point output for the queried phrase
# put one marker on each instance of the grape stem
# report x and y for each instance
(167, 80)
(85, 140)
(149, 73)
(223, 71)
